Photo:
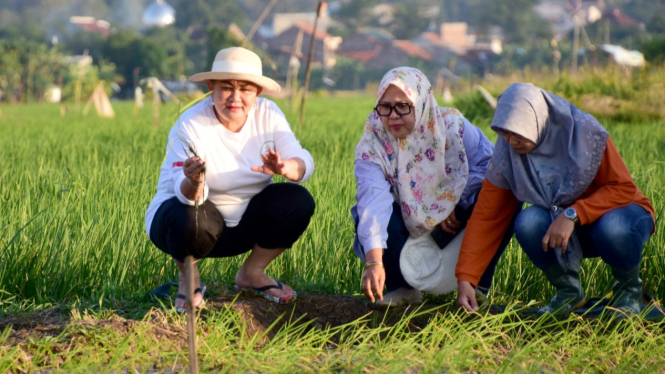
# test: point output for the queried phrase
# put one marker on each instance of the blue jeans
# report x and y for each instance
(617, 236)
(397, 236)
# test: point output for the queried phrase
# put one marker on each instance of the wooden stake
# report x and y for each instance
(191, 315)
(156, 100)
(308, 71)
(258, 23)
(576, 36)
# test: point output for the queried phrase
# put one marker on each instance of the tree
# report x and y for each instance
(206, 13)
(518, 20)
(355, 13)
(29, 68)
(657, 24)
(127, 51)
(219, 38)
(407, 22)
(174, 42)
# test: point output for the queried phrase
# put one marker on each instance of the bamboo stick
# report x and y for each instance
(191, 316)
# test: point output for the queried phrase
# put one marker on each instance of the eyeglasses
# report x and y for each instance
(384, 110)
(507, 135)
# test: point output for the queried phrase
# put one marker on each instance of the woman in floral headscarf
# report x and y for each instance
(584, 201)
(418, 167)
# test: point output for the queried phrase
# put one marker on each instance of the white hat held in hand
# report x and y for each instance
(427, 268)
(240, 64)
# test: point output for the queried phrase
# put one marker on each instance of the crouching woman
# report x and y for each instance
(418, 168)
(215, 197)
(584, 201)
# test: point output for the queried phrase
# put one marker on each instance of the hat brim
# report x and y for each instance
(427, 268)
(269, 86)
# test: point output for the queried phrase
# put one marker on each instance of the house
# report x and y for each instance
(622, 20)
(91, 24)
(284, 21)
(377, 49)
(281, 47)
(459, 49)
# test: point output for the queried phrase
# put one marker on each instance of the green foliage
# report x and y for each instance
(407, 22)
(174, 42)
(347, 74)
(219, 38)
(127, 50)
(355, 14)
(99, 340)
(518, 20)
(27, 69)
(207, 13)
(654, 49)
(657, 24)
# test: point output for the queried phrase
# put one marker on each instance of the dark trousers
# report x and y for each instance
(618, 236)
(398, 234)
(275, 218)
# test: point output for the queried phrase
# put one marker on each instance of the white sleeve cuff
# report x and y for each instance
(309, 166)
(182, 198)
(373, 242)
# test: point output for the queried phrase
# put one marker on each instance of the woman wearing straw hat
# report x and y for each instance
(215, 197)
(419, 169)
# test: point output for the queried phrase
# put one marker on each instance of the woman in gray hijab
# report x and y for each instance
(584, 202)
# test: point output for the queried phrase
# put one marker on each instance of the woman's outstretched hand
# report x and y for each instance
(450, 224)
(466, 296)
(292, 169)
(559, 233)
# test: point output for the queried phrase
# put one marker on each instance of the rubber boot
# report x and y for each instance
(569, 293)
(627, 290)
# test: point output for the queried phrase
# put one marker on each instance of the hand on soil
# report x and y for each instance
(466, 296)
(374, 278)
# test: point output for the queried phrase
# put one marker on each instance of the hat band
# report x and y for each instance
(235, 67)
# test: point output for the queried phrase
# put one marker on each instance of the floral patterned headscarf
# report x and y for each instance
(428, 169)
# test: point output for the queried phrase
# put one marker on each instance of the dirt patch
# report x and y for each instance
(257, 315)
(318, 311)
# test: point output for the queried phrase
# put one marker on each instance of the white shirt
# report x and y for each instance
(229, 182)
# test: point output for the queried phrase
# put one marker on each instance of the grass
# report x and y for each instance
(73, 194)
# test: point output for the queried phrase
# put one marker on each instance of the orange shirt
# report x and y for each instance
(612, 187)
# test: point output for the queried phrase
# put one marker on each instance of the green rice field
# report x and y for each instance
(73, 193)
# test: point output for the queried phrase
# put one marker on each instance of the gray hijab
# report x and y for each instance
(569, 148)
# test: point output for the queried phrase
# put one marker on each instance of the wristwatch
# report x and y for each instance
(571, 214)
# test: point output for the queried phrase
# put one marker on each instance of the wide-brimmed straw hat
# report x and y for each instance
(427, 268)
(240, 64)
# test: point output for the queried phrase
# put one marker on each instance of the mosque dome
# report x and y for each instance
(158, 14)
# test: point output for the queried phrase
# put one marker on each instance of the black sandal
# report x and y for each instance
(200, 290)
